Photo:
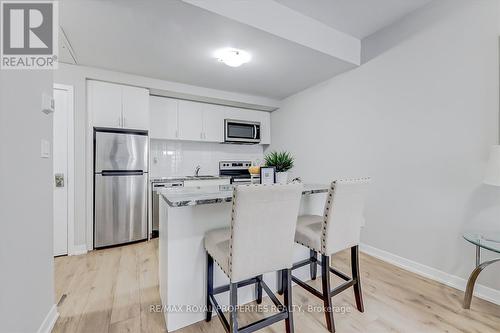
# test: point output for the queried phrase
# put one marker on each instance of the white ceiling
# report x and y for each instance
(173, 40)
(358, 18)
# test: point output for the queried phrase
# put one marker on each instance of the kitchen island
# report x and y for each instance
(186, 214)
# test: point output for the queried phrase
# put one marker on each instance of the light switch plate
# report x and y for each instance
(45, 149)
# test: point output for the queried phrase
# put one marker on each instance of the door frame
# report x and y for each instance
(70, 182)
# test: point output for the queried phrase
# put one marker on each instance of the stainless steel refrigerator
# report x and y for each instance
(120, 186)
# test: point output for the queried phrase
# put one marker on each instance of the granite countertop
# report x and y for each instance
(192, 196)
(183, 178)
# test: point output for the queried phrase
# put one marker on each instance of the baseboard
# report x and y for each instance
(78, 249)
(49, 321)
(481, 291)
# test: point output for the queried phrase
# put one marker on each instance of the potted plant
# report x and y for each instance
(282, 161)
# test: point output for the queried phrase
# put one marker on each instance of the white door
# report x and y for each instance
(190, 120)
(60, 156)
(105, 102)
(135, 108)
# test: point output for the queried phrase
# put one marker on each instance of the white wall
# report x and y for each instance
(419, 118)
(26, 273)
(180, 158)
(76, 76)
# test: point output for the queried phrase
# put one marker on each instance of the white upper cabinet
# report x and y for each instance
(163, 118)
(105, 103)
(236, 113)
(174, 119)
(213, 123)
(135, 107)
(265, 126)
(190, 120)
(118, 106)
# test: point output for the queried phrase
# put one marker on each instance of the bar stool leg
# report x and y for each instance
(258, 289)
(327, 299)
(210, 286)
(287, 284)
(233, 305)
(313, 267)
(280, 282)
(355, 275)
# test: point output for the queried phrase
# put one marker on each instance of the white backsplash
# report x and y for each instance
(180, 158)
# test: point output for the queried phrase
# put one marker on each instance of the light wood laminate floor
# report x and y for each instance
(112, 290)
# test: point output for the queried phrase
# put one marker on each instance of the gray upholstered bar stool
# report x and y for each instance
(338, 229)
(260, 240)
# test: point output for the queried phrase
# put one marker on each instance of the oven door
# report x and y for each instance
(240, 131)
(245, 180)
(241, 181)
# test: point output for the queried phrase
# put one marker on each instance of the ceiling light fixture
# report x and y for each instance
(232, 57)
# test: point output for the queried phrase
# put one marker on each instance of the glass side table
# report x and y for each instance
(482, 240)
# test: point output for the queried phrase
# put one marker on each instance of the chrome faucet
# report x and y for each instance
(197, 170)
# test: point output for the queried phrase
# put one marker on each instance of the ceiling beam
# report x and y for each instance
(281, 21)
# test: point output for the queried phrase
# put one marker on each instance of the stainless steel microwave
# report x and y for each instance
(241, 131)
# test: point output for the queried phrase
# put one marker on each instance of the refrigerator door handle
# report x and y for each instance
(122, 173)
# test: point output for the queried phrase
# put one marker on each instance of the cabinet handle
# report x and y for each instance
(176, 133)
(119, 121)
